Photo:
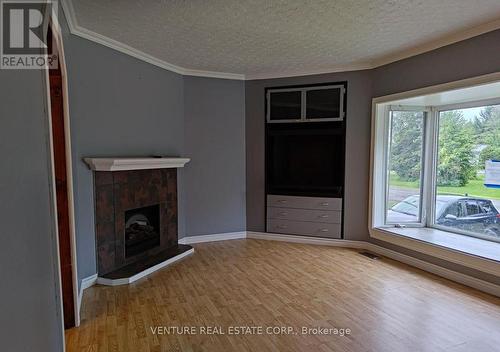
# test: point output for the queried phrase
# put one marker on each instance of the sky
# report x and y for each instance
(470, 113)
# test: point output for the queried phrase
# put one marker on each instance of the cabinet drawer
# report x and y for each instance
(304, 202)
(323, 216)
(304, 228)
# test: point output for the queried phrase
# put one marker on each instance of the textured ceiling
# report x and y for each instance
(273, 38)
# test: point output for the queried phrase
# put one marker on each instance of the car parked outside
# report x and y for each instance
(471, 214)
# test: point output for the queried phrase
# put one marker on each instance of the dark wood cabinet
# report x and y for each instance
(305, 156)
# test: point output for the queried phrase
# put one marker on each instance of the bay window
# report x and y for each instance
(430, 157)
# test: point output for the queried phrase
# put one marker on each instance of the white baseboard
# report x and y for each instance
(215, 237)
(305, 239)
(89, 281)
(129, 280)
(84, 284)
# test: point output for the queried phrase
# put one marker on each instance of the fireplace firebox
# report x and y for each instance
(142, 229)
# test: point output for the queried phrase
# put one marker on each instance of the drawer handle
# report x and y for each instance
(283, 213)
(281, 226)
(325, 204)
(324, 230)
(324, 216)
(282, 201)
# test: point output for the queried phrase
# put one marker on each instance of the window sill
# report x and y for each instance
(468, 251)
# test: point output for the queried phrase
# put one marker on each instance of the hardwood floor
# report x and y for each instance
(388, 306)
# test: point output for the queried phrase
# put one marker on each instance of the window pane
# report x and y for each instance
(468, 138)
(406, 138)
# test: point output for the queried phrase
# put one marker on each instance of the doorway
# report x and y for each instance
(62, 180)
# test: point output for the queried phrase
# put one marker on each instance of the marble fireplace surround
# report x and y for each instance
(122, 184)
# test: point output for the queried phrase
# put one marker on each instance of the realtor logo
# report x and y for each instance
(24, 34)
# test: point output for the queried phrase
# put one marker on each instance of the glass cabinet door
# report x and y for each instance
(324, 103)
(285, 106)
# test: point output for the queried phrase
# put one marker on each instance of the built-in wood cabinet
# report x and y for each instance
(305, 159)
(308, 216)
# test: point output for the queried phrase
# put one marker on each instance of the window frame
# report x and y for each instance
(436, 113)
(473, 253)
(387, 149)
(430, 159)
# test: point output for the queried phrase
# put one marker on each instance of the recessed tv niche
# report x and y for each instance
(305, 158)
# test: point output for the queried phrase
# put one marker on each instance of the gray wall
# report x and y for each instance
(469, 58)
(119, 106)
(30, 310)
(359, 94)
(214, 112)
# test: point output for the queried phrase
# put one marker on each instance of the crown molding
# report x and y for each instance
(77, 30)
(333, 69)
(438, 43)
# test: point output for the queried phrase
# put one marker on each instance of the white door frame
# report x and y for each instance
(57, 35)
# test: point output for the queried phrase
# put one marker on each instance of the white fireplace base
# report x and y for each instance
(129, 280)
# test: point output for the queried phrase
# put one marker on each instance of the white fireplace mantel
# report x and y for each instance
(120, 164)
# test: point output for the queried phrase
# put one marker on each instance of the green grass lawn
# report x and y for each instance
(473, 188)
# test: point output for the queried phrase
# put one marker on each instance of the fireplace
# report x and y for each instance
(142, 229)
(135, 216)
(128, 202)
